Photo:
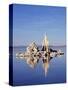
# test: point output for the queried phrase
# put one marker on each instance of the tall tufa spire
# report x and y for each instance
(45, 43)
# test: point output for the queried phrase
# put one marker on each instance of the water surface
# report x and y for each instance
(23, 74)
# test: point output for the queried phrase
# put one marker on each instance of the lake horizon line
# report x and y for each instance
(40, 46)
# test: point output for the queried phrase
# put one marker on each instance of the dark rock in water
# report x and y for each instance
(51, 50)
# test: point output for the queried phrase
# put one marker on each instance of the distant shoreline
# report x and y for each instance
(38, 46)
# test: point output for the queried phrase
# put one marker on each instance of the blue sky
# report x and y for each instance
(30, 23)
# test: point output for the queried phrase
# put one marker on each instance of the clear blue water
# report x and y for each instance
(23, 74)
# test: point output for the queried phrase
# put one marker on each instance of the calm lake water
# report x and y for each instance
(23, 74)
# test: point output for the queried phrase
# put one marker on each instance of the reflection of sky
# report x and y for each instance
(32, 22)
(25, 75)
